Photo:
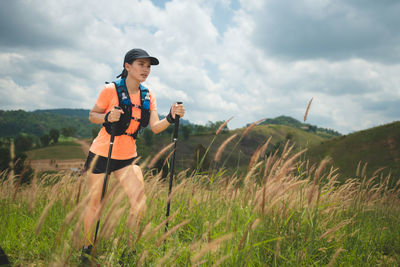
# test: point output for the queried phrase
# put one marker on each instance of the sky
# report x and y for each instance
(248, 59)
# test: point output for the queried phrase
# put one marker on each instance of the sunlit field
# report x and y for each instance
(281, 212)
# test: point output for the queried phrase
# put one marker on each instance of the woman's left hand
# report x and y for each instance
(177, 109)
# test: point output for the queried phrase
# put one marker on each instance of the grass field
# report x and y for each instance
(60, 151)
(282, 212)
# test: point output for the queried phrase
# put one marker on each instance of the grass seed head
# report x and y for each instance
(223, 125)
(307, 109)
(222, 147)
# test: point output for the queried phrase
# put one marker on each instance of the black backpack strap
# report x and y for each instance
(136, 119)
(124, 102)
(144, 111)
(133, 135)
(145, 106)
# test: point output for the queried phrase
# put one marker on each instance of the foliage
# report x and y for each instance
(148, 136)
(14, 123)
(23, 143)
(186, 131)
(24, 172)
(15, 161)
(95, 132)
(54, 135)
(82, 113)
(201, 161)
(4, 158)
(45, 140)
(68, 131)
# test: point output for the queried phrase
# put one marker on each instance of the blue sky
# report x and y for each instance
(247, 59)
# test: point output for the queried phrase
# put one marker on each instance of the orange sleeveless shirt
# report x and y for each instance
(124, 146)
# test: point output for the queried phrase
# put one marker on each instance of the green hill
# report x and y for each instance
(378, 147)
(240, 156)
(60, 151)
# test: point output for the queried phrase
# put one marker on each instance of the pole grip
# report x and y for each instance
(177, 117)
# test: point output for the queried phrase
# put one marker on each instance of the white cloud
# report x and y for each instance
(13, 96)
(269, 60)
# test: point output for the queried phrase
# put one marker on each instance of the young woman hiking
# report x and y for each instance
(137, 64)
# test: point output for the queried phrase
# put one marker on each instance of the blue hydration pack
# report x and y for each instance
(126, 105)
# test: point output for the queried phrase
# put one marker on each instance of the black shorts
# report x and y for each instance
(101, 163)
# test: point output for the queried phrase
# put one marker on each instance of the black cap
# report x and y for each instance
(133, 54)
(136, 53)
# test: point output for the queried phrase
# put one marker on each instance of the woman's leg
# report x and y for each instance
(131, 179)
(96, 185)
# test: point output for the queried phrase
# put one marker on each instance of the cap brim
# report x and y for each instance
(153, 60)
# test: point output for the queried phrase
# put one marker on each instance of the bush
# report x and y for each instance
(23, 143)
(54, 135)
(45, 140)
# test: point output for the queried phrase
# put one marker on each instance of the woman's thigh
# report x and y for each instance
(131, 179)
(95, 187)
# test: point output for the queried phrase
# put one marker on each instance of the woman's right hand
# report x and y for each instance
(115, 114)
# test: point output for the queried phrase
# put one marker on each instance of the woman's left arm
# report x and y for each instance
(157, 125)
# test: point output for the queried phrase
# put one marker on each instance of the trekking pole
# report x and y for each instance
(171, 175)
(103, 192)
(4, 259)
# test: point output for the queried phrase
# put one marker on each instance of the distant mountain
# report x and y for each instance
(289, 121)
(284, 120)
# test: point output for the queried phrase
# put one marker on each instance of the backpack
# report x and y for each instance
(126, 105)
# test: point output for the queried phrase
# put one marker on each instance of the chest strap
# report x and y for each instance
(133, 135)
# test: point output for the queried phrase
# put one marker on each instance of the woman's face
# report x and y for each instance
(139, 70)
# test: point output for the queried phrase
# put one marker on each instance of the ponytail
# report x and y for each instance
(123, 74)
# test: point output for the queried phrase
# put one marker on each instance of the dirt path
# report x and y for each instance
(53, 165)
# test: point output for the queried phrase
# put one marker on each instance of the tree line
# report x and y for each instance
(17, 122)
(71, 122)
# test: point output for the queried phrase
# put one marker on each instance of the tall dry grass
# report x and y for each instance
(281, 212)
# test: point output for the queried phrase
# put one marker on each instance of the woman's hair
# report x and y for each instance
(124, 73)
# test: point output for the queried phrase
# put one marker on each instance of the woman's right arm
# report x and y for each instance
(97, 115)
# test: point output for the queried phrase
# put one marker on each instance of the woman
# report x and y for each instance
(137, 64)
